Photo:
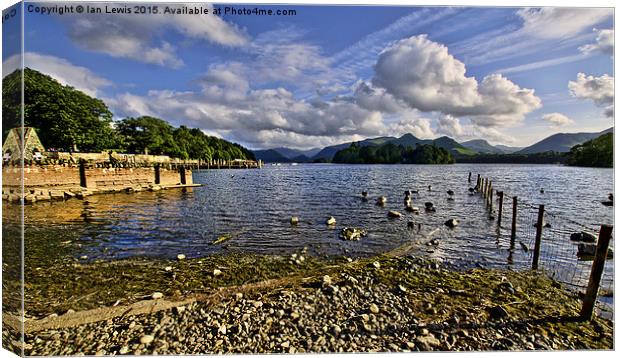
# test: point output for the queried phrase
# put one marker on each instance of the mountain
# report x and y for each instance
(561, 142)
(508, 149)
(292, 153)
(406, 140)
(451, 145)
(270, 156)
(329, 152)
(482, 146)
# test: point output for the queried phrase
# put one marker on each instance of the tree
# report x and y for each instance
(598, 152)
(63, 116)
(148, 135)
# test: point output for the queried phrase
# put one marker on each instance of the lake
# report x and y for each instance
(255, 206)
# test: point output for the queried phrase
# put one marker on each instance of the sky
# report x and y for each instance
(333, 74)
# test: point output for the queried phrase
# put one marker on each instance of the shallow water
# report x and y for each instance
(254, 206)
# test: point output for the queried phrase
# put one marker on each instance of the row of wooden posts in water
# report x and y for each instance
(484, 186)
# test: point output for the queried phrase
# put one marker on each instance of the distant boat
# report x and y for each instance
(294, 163)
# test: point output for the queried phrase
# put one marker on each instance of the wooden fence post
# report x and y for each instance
(539, 227)
(83, 173)
(501, 207)
(478, 183)
(157, 174)
(469, 178)
(490, 197)
(587, 309)
(513, 230)
(183, 179)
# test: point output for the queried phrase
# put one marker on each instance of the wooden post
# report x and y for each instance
(513, 230)
(589, 300)
(157, 174)
(539, 227)
(183, 179)
(478, 183)
(490, 197)
(501, 207)
(83, 173)
(469, 178)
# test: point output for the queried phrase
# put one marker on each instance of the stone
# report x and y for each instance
(147, 339)
(394, 214)
(376, 264)
(497, 313)
(586, 250)
(168, 268)
(402, 288)
(180, 257)
(382, 200)
(352, 234)
(157, 295)
(452, 223)
(427, 342)
(373, 308)
(331, 221)
(216, 272)
(583, 236)
(294, 220)
(327, 280)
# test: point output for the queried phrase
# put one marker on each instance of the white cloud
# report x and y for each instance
(423, 74)
(600, 90)
(604, 43)
(557, 119)
(542, 64)
(412, 123)
(63, 71)
(137, 36)
(449, 125)
(558, 22)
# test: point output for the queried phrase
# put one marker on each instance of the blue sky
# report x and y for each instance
(332, 74)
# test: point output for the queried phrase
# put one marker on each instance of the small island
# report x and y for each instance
(391, 153)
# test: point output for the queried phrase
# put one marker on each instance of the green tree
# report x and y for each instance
(63, 116)
(598, 152)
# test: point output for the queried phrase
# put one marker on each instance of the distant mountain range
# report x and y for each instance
(560, 142)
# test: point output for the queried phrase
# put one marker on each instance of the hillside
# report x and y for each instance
(270, 156)
(561, 142)
(598, 152)
(482, 146)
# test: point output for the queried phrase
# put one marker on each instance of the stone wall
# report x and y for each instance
(67, 176)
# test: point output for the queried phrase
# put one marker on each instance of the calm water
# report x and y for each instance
(254, 206)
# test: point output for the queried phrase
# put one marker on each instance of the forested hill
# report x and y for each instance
(68, 119)
(598, 152)
(391, 153)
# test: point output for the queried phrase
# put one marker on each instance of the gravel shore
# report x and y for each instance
(378, 305)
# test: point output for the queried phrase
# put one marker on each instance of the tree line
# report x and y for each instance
(390, 153)
(67, 119)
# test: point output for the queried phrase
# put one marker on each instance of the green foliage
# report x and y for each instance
(158, 137)
(598, 152)
(63, 116)
(390, 153)
(534, 158)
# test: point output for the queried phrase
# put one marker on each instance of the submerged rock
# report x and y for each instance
(583, 236)
(331, 221)
(294, 220)
(394, 214)
(381, 200)
(352, 234)
(452, 223)
(589, 249)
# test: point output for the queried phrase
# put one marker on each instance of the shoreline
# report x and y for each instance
(420, 305)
